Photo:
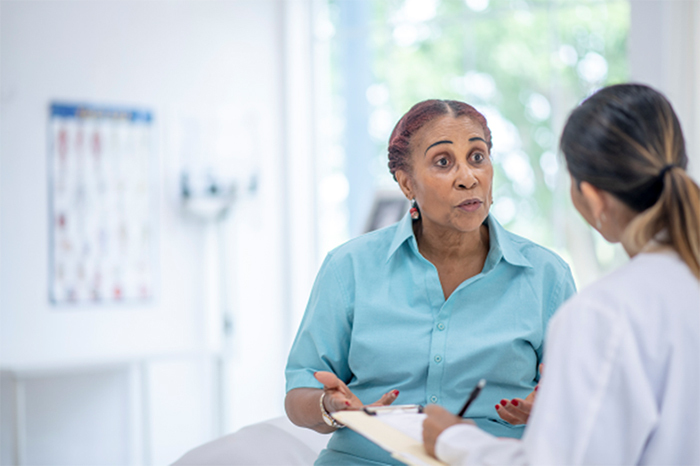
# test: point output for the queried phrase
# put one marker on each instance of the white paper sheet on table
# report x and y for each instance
(401, 434)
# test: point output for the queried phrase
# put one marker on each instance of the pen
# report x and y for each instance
(472, 396)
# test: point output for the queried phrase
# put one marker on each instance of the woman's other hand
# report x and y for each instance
(339, 397)
(437, 420)
(517, 410)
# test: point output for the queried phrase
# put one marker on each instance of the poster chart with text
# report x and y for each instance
(102, 205)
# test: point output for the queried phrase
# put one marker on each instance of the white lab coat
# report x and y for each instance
(621, 382)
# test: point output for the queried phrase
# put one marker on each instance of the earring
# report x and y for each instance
(415, 214)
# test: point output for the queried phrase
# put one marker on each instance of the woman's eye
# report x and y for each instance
(442, 162)
(478, 157)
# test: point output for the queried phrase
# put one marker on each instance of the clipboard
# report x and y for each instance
(401, 443)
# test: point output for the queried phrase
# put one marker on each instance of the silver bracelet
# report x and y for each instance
(327, 418)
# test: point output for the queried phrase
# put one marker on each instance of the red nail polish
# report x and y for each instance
(515, 402)
(498, 407)
(347, 403)
(504, 402)
(536, 387)
(396, 393)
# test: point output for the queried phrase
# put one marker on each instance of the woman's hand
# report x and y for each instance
(302, 406)
(339, 397)
(438, 419)
(517, 410)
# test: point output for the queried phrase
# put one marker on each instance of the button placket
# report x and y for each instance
(437, 353)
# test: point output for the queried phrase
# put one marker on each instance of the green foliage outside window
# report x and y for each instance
(524, 63)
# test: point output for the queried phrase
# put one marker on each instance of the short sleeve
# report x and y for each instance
(323, 339)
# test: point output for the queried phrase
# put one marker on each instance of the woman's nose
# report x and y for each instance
(465, 177)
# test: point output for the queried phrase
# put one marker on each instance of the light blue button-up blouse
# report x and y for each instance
(377, 318)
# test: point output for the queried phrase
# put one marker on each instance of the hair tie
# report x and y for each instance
(665, 169)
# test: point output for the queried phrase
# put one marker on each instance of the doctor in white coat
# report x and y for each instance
(622, 364)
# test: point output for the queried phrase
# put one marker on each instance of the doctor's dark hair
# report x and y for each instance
(418, 116)
(627, 140)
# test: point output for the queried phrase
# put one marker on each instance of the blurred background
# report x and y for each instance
(172, 174)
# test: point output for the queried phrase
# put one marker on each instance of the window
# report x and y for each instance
(523, 63)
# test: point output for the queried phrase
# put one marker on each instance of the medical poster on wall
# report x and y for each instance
(102, 205)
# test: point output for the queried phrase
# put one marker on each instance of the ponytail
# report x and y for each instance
(678, 213)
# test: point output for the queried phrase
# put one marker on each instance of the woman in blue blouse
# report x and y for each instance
(423, 309)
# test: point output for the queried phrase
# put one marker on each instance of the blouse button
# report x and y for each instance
(433, 399)
(438, 358)
(441, 326)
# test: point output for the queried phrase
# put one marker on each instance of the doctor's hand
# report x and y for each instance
(437, 420)
(517, 410)
(339, 397)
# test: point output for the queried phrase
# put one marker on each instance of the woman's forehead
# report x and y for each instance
(448, 126)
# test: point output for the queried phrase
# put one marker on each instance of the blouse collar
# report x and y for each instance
(501, 243)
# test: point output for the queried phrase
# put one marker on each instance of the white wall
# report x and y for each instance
(158, 55)
(188, 61)
(54, 421)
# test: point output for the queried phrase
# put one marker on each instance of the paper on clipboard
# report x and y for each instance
(400, 434)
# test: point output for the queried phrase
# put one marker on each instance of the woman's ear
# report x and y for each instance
(595, 199)
(405, 183)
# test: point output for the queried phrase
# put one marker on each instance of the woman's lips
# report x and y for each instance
(470, 205)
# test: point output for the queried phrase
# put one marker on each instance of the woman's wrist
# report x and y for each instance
(327, 418)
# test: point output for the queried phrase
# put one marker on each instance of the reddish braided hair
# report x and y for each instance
(417, 117)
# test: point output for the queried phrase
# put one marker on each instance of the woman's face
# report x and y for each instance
(601, 210)
(451, 173)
